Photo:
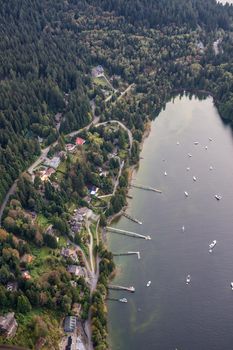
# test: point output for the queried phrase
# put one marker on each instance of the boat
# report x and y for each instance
(218, 197)
(206, 147)
(232, 285)
(194, 178)
(210, 139)
(190, 155)
(177, 143)
(165, 173)
(123, 300)
(196, 143)
(188, 169)
(148, 284)
(188, 279)
(186, 193)
(211, 168)
(183, 228)
(212, 245)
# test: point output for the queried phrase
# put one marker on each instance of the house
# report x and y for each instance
(26, 258)
(8, 325)
(12, 286)
(70, 147)
(45, 174)
(93, 190)
(70, 323)
(76, 270)
(97, 71)
(79, 141)
(26, 275)
(53, 163)
(69, 253)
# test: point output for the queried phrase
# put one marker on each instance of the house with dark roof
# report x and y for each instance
(70, 324)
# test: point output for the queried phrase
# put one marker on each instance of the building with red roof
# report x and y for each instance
(79, 141)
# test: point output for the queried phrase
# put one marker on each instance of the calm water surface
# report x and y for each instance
(169, 314)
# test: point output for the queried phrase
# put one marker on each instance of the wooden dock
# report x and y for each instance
(132, 218)
(147, 188)
(128, 253)
(127, 233)
(130, 289)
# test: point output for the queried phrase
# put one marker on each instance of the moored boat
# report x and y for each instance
(123, 300)
(188, 279)
(148, 284)
(194, 178)
(212, 245)
(218, 197)
(186, 193)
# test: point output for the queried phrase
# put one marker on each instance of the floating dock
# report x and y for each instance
(147, 188)
(130, 289)
(127, 233)
(128, 253)
(132, 218)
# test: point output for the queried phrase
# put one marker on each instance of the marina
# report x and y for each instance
(190, 313)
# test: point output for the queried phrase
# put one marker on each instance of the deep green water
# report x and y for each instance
(169, 314)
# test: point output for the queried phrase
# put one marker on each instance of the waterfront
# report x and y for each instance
(169, 314)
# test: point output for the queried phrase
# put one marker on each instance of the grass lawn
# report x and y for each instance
(42, 221)
(39, 265)
(101, 81)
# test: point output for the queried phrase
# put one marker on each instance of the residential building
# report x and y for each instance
(76, 270)
(70, 147)
(53, 163)
(79, 141)
(12, 286)
(70, 323)
(8, 325)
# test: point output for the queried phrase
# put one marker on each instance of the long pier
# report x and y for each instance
(128, 253)
(132, 218)
(127, 233)
(147, 188)
(130, 289)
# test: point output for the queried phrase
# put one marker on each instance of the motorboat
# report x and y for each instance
(148, 284)
(188, 279)
(177, 143)
(165, 173)
(212, 245)
(232, 285)
(190, 155)
(206, 147)
(186, 193)
(123, 300)
(211, 168)
(183, 228)
(210, 139)
(194, 178)
(196, 143)
(188, 169)
(218, 197)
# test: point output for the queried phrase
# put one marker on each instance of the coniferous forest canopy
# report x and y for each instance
(46, 52)
(154, 48)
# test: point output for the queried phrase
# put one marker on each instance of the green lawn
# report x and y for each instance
(42, 221)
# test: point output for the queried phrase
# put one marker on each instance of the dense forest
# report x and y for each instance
(47, 51)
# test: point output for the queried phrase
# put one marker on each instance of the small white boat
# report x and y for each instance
(212, 245)
(206, 147)
(177, 143)
(165, 173)
(186, 193)
(190, 155)
(210, 139)
(211, 168)
(196, 143)
(148, 284)
(232, 285)
(218, 197)
(188, 279)
(123, 300)
(194, 178)
(188, 169)
(183, 228)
